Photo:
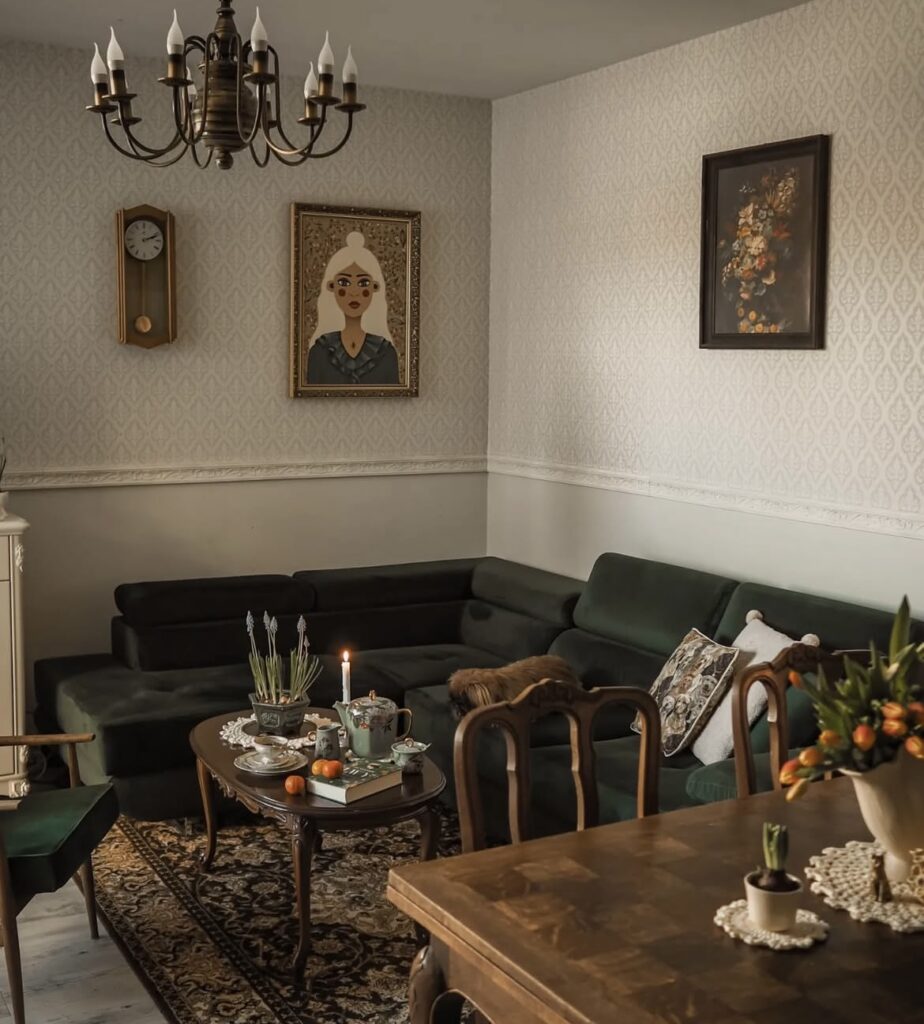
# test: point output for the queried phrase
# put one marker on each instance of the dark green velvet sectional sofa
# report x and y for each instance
(179, 656)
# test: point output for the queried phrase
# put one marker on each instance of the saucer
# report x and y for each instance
(251, 762)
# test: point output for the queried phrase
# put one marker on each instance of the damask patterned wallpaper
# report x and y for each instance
(596, 377)
(77, 408)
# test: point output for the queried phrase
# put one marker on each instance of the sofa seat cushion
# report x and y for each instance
(51, 673)
(142, 720)
(650, 605)
(165, 602)
(50, 834)
(385, 585)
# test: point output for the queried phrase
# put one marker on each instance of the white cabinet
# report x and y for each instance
(13, 781)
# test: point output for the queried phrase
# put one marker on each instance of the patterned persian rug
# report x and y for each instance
(217, 948)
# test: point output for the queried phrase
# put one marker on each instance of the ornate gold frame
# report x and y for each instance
(411, 221)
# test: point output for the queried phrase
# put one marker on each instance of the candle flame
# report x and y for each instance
(346, 657)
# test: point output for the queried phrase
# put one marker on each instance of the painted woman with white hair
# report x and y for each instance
(352, 345)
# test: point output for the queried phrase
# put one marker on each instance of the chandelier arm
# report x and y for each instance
(200, 163)
(155, 154)
(261, 163)
(278, 103)
(246, 137)
(340, 144)
(135, 155)
(300, 154)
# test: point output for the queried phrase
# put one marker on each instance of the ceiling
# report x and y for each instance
(486, 48)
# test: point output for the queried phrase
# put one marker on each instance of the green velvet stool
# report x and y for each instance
(46, 840)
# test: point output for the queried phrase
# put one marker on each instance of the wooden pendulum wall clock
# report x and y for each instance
(147, 276)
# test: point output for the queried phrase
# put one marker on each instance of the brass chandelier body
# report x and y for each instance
(237, 108)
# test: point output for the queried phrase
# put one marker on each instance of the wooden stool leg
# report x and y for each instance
(85, 872)
(11, 944)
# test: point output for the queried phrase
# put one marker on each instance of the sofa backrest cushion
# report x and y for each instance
(507, 634)
(649, 605)
(388, 585)
(839, 625)
(164, 602)
(601, 662)
(521, 588)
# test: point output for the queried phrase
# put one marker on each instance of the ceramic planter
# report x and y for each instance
(891, 799)
(772, 911)
(279, 719)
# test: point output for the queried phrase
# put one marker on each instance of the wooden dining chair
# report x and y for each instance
(774, 676)
(514, 718)
(46, 838)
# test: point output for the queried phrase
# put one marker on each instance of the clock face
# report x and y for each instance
(144, 240)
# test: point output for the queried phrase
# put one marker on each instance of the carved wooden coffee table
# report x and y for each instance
(306, 817)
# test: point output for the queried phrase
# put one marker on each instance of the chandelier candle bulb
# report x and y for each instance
(98, 71)
(350, 70)
(311, 82)
(114, 55)
(259, 42)
(326, 57)
(346, 677)
(175, 38)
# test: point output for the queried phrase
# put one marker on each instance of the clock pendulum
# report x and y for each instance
(143, 322)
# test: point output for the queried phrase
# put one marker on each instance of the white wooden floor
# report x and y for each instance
(69, 978)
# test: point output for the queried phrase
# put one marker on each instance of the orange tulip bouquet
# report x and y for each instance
(871, 725)
(866, 717)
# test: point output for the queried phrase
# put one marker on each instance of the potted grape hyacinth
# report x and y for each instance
(871, 725)
(772, 893)
(280, 709)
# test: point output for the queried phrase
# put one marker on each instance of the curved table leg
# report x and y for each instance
(429, 819)
(304, 836)
(207, 790)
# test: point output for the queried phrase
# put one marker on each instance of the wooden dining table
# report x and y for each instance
(614, 925)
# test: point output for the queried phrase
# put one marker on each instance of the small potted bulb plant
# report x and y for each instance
(280, 709)
(772, 893)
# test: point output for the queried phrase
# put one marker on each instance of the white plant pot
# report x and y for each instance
(772, 911)
(891, 799)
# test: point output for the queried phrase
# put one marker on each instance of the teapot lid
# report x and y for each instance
(372, 702)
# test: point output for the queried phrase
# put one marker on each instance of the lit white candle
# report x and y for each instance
(114, 55)
(346, 677)
(98, 72)
(326, 57)
(175, 40)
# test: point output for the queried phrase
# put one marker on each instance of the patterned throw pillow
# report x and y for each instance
(693, 681)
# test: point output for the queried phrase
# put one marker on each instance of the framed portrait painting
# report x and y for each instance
(763, 269)
(355, 302)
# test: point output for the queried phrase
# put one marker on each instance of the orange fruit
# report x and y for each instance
(332, 769)
(295, 785)
(318, 766)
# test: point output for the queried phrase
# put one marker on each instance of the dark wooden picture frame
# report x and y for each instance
(763, 267)
(352, 256)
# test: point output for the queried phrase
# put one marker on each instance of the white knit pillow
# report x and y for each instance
(757, 643)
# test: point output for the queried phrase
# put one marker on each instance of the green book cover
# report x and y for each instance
(361, 778)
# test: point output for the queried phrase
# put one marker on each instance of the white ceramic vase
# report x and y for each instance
(772, 911)
(891, 799)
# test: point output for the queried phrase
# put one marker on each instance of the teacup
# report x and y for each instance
(269, 748)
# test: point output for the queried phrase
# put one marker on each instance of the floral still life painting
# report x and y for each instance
(764, 246)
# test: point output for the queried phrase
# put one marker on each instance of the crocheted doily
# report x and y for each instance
(808, 929)
(841, 876)
(233, 733)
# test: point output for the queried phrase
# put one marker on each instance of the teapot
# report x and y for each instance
(371, 724)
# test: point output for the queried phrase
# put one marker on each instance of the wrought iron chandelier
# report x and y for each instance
(238, 104)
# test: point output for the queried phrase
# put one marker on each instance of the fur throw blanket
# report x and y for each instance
(474, 687)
